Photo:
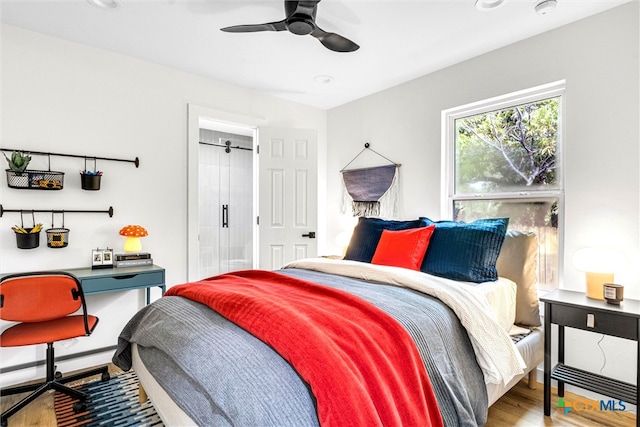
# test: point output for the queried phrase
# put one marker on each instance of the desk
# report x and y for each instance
(575, 310)
(100, 281)
(114, 279)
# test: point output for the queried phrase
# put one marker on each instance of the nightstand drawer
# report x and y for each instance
(122, 282)
(604, 322)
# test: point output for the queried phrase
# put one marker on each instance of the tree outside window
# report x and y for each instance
(504, 161)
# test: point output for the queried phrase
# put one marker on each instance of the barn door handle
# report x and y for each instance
(311, 235)
(225, 216)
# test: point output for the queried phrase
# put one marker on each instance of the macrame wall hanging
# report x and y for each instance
(371, 191)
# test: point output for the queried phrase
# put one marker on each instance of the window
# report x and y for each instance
(503, 159)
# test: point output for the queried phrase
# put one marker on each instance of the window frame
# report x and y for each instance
(449, 116)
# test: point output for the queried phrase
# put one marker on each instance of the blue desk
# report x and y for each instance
(104, 280)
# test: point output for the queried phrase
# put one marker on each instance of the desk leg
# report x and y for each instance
(547, 359)
(560, 357)
(163, 289)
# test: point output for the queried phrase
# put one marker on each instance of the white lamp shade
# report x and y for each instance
(599, 260)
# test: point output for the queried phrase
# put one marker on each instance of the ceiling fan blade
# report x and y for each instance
(252, 28)
(334, 41)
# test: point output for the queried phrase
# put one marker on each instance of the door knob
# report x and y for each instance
(311, 235)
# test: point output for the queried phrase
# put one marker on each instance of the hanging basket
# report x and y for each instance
(30, 238)
(57, 237)
(35, 180)
(90, 180)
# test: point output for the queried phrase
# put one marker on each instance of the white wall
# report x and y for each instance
(598, 57)
(64, 97)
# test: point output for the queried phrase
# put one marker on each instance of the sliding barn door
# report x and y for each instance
(288, 198)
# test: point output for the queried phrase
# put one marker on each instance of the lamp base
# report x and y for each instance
(595, 282)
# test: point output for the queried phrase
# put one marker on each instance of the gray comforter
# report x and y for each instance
(221, 375)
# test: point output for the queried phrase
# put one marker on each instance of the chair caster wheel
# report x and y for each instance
(79, 407)
(57, 375)
(106, 376)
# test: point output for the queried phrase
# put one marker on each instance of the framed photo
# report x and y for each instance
(102, 258)
(96, 257)
(107, 257)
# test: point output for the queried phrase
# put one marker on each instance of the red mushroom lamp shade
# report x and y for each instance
(133, 233)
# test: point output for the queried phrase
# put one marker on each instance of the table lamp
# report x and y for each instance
(133, 233)
(599, 265)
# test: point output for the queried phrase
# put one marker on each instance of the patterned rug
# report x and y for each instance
(109, 403)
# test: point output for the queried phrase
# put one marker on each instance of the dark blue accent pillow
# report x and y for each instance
(367, 232)
(465, 251)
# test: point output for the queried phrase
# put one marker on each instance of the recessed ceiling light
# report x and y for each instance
(106, 4)
(488, 4)
(323, 78)
(545, 6)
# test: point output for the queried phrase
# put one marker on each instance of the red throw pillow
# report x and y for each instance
(403, 248)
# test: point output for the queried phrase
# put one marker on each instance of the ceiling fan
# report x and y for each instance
(300, 20)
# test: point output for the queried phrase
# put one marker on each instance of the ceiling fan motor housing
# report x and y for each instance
(300, 25)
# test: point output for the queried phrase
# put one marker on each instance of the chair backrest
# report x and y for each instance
(38, 297)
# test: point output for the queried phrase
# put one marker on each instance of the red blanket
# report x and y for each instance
(361, 364)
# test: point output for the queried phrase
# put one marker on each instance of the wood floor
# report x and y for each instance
(520, 407)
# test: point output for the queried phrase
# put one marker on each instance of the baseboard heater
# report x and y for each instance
(58, 359)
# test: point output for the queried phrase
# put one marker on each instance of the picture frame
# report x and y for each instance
(96, 257)
(107, 257)
(101, 258)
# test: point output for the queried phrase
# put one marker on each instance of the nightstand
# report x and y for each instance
(575, 310)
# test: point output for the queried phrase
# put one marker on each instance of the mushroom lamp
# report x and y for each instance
(133, 233)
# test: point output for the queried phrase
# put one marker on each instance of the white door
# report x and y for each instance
(288, 186)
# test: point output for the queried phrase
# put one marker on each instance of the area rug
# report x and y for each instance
(109, 403)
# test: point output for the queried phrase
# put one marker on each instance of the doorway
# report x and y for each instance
(284, 182)
(225, 190)
(220, 241)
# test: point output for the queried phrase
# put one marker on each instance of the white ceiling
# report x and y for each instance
(399, 40)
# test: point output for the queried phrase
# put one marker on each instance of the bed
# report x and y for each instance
(474, 338)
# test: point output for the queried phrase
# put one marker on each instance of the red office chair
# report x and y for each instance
(44, 303)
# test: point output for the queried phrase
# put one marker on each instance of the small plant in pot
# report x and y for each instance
(18, 161)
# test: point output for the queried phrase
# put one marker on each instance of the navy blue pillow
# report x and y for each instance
(367, 232)
(465, 251)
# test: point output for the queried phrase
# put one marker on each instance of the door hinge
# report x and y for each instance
(258, 220)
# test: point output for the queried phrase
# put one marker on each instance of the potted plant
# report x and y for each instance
(18, 161)
(17, 166)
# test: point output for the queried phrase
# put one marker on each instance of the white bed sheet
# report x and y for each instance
(501, 296)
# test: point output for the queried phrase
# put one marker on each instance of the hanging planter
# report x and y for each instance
(20, 177)
(57, 237)
(90, 180)
(27, 238)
